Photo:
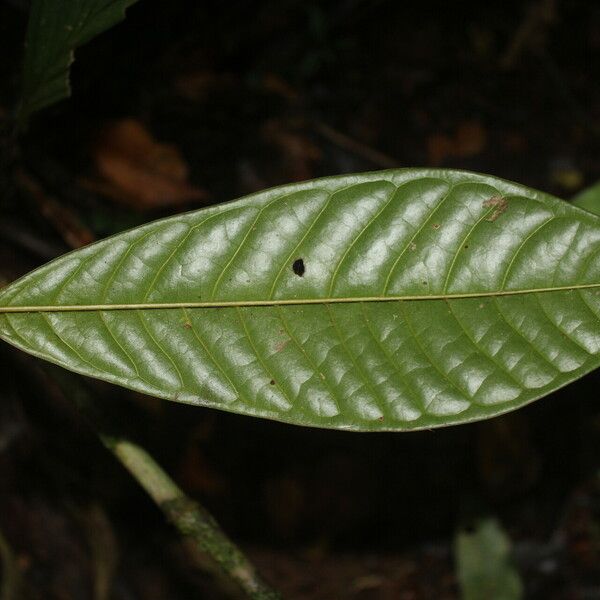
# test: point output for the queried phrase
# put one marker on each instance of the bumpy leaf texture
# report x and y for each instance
(395, 300)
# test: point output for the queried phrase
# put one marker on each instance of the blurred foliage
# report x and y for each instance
(54, 32)
(589, 198)
(485, 570)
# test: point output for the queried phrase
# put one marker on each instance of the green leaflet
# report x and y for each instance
(316, 355)
(55, 29)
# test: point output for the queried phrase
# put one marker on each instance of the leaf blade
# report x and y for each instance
(362, 365)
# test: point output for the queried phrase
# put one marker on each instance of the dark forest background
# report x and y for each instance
(208, 101)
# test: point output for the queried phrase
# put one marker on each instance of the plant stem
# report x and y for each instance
(192, 520)
(215, 551)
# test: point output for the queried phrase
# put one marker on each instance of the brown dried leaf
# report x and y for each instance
(469, 139)
(66, 222)
(197, 86)
(298, 151)
(439, 147)
(141, 172)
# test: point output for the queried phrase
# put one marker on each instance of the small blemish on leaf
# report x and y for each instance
(272, 382)
(187, 325)
(298, 267)
(436, 225)
(281, 345)
(499, 204)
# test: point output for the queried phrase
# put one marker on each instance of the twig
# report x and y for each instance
(537, 20)
(276, 85)
(222, 558)
(22, 235)
(64, 220)
(354, 147)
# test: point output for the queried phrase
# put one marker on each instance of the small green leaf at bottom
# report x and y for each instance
(485, 570)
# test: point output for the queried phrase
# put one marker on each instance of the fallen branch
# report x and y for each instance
(218, 554)
(192, 520)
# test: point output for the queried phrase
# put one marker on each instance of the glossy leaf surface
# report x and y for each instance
(395, 300)
(54, 31)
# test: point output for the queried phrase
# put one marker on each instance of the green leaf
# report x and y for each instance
(589, 199)
(55, 29)
(395, 300)
(484, 567)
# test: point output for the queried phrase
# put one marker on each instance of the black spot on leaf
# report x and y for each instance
(298, 267)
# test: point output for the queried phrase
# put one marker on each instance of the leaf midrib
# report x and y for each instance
(289, 301)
